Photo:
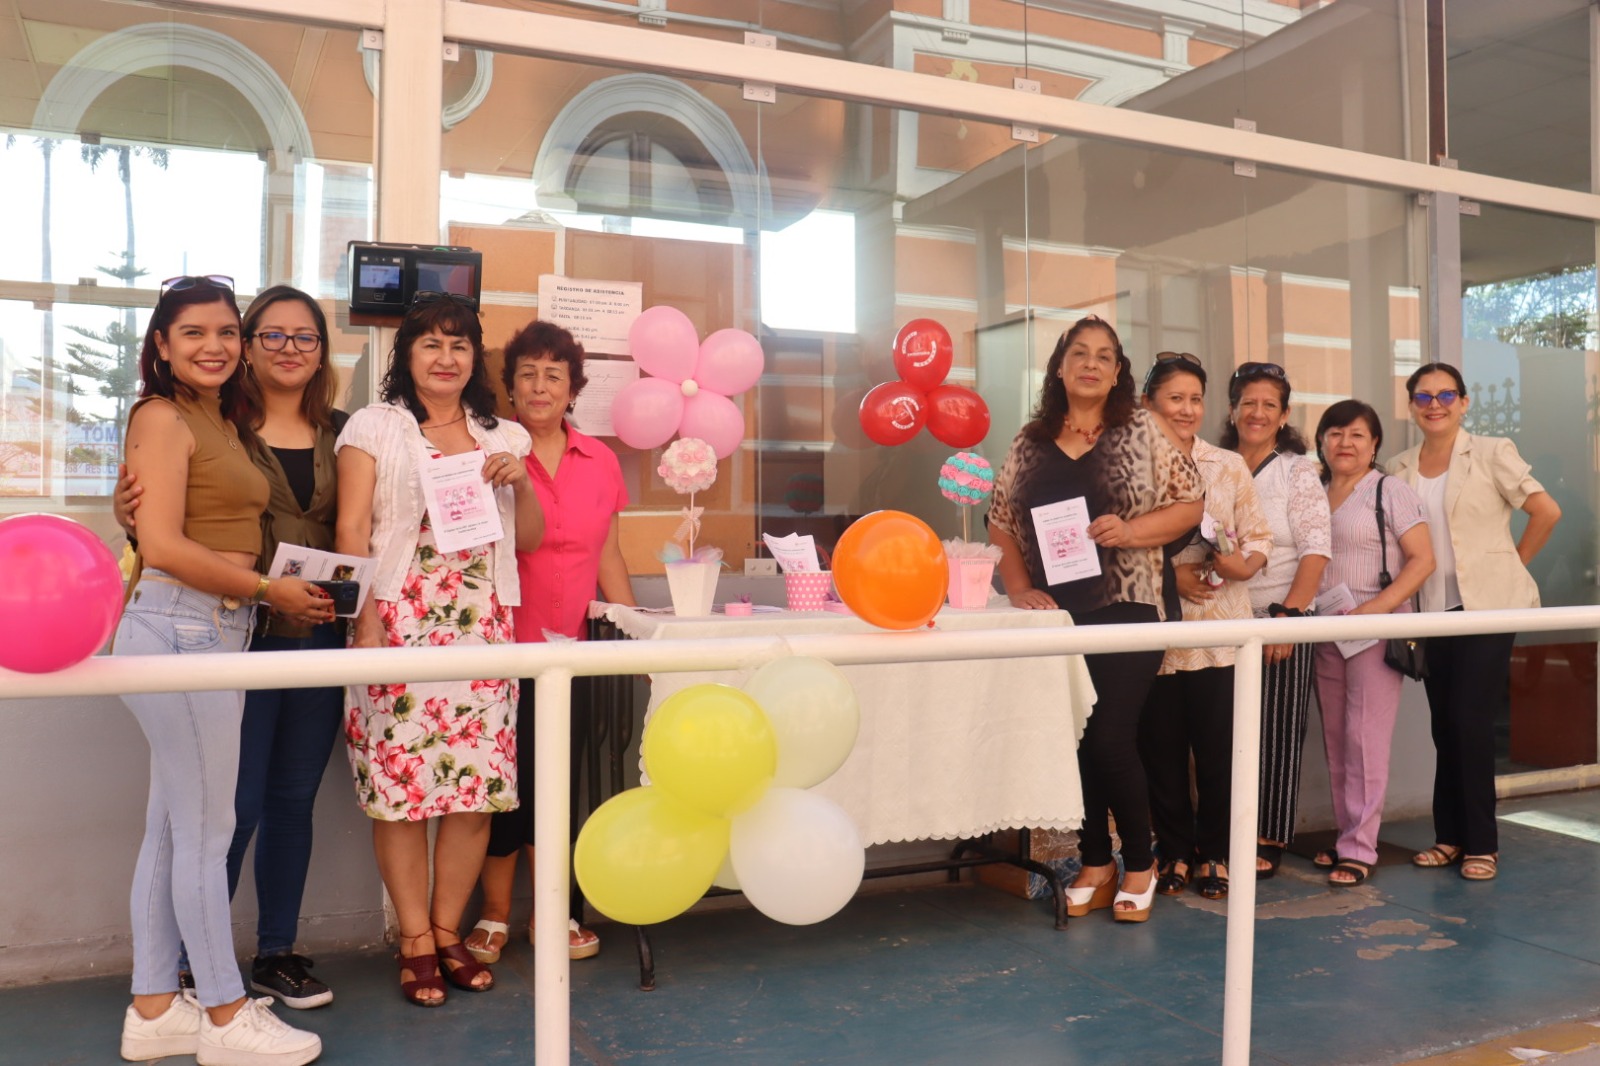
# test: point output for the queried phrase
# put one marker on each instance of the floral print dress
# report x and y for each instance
(444, 747)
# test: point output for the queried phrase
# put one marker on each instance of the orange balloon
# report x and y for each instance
(889, 568)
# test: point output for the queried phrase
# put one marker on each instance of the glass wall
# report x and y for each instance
(142, 145)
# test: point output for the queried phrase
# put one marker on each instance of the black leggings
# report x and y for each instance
(1108, 755)
(1468, 688)
(1190, 711)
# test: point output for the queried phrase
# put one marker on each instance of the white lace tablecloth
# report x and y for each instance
(946, 749)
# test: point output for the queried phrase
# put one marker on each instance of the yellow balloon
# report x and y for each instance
(643, 857)
(712, 747)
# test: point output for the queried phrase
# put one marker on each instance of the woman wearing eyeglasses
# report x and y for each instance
(1469, 486)
(286, 408)
(1094, 478)
(193, 592)
(444, 750)
(1290, 491)
(1189, 712)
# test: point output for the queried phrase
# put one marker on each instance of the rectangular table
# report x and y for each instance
(946, 750)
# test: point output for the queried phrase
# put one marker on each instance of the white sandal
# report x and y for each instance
(1140, 911)
(585, 947)
(487, 956)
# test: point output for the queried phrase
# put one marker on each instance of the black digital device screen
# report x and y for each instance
(379, 276)
(457, 278)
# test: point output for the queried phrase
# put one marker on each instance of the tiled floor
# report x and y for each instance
(1415, 965)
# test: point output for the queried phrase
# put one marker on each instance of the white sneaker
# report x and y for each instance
(255, 1037)
(176, 1031)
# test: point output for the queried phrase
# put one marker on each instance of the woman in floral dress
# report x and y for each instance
(443, 750)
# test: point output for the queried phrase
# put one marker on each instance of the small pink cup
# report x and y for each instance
(808, 591)
(971, 581)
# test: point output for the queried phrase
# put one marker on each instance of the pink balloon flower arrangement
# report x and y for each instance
(689, 384)
(688, 466)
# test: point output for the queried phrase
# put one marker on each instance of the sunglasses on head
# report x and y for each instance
(1446, 398)
(1163, 358)
(1250, 370)
(428, 296)
(190, 281)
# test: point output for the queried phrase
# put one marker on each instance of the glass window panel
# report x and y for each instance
(127, 120)
(1518, 88)
(1532, 364)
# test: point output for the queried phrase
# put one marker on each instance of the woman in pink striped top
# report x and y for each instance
(1360, 694)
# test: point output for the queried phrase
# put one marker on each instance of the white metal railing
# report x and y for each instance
(555, 665)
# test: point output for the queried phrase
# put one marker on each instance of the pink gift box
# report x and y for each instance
(809, 591)
(971, 582)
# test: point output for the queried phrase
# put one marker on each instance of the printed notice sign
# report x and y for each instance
(1062, 530)
(597, 313)
(607, 377)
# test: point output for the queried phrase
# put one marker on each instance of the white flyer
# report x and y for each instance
(460, 503)
(1336, 601)
(1068, 552)
(598, 313)
(312, 564)
(796, 554)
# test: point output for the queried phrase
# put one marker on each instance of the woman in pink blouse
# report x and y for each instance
(1190, 707)
(581, 492)
(1360, 693)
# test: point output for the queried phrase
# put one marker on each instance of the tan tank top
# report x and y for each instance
(227, 494)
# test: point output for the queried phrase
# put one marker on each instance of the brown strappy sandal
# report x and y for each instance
(424, 970)
(460, 968)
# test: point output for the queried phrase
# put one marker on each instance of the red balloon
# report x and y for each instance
(893, 413)
(890, 569)
(957, 416)
(923, 353)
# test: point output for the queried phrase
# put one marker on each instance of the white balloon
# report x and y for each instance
(814, 712)
(798, 856)
(726, 878)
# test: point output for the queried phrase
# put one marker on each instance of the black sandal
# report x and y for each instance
(1213, 880)
(1171, 882)
(1272, 854)
(1325, 859)
(1358, 871)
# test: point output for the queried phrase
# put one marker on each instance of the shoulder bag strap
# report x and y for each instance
(1383, 539)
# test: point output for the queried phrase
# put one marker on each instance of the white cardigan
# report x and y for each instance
(390, 434)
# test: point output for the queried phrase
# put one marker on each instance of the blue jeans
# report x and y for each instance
(180, 883)
(284, 746)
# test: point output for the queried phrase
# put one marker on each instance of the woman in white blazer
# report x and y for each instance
(1469, 486)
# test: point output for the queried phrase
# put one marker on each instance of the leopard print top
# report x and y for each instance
(1131, 471)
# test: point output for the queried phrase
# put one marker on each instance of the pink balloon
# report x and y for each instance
(730, 362)
(60, 593)
(716, 420)
(647, 412)
(664, 343)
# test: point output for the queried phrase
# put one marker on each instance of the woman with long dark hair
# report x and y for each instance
(444, 750)
(1469, 486)
(1090, 446)
(1381, 555)
(193, 592)
(1289, 488)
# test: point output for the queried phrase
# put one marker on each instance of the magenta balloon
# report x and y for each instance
(646, 413)
(664, 343)
(716, 420)
(60, 593)
(730, 362)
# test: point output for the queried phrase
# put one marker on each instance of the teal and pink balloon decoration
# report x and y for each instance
(967, 479)
(60, 593)
(689, 384)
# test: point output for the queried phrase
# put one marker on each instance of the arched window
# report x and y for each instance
(644, 164)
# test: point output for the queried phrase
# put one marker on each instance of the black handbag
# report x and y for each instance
(1409, 655)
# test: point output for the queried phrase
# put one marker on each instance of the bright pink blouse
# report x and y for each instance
(563, 575)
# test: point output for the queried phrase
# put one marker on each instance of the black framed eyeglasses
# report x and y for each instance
(1424, 400)
(428, 296)
(1251, 370)
(189, 281)
(272, 340)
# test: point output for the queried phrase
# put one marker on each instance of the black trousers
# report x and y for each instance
(1469, 686)
(1190, 711)
(1108, 756)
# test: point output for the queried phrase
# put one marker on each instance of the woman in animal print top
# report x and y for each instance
(1089, 440)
